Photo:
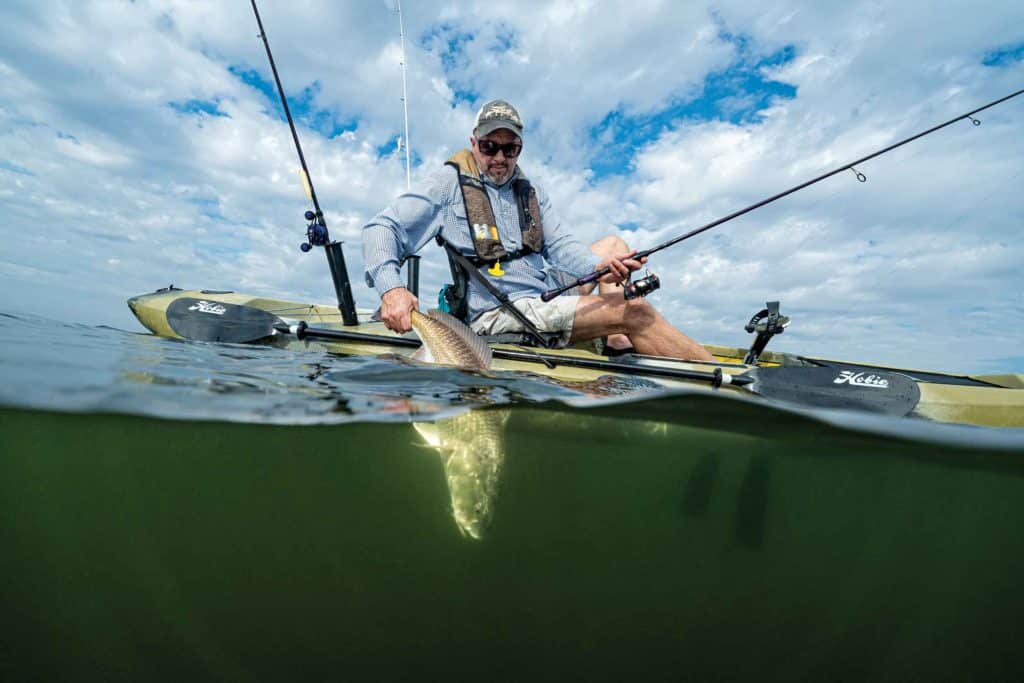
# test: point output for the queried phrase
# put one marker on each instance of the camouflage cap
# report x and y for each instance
(497, 114)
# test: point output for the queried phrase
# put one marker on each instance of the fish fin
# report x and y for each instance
(475, 341)
(423, 354)
(429, 432)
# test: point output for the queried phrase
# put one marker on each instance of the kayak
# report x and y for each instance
(808, 383)
(233, 317)
(754, 374)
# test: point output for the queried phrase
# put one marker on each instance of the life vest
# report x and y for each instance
(480, 214)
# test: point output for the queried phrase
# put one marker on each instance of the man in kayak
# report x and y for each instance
(482, 204)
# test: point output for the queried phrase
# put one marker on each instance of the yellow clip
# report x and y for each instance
(496, 270)
(494, 233)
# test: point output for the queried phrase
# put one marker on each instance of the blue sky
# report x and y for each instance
(143, 144)
(736, 94)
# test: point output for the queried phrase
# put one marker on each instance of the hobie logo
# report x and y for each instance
(860, 379)
(207, 307)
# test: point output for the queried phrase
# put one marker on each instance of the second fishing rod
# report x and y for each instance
(316, 232)
(598, 274)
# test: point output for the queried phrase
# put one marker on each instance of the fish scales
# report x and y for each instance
(448, 340)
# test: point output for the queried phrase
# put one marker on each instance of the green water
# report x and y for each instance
(137, 548)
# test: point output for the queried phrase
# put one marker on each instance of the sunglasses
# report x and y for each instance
(490, 148)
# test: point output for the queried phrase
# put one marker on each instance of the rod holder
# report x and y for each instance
(412, 265)
(342, 288)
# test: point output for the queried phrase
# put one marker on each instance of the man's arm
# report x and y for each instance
(400, 230)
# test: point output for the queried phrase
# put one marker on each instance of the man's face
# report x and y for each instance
(498, 167)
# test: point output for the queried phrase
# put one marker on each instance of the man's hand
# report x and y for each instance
(621, 264)
(395, 308)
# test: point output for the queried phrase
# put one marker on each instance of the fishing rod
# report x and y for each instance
(316, 232)
(647, 288)
(405, 102)
(412, 261)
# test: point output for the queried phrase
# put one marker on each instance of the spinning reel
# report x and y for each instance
(640, 288)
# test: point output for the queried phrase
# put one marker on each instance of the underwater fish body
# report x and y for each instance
(471, 445)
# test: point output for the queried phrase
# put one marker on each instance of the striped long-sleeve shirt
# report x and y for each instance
(414, 218)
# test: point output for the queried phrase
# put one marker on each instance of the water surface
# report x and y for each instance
(199, 511)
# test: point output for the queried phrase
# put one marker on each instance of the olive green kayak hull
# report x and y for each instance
(988, 400)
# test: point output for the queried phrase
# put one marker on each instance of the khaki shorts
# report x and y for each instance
(549, 316)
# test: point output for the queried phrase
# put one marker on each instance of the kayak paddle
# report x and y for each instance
(870, 390)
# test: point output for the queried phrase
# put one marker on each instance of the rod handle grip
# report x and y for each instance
(585, 280)
(552, 293)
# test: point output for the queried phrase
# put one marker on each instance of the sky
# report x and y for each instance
(142, 144)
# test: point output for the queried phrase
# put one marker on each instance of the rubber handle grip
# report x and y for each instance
(585, 280)
(551, 294)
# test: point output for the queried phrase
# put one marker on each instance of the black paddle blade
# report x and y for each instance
(202, 320)
(888, 393)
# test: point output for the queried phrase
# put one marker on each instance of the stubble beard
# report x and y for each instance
(499, 173)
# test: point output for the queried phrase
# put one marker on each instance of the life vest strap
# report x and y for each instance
(466, 266)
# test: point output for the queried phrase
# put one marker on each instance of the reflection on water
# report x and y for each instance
(699, 485)
(472, 450)
(752, 501)
(52, 365)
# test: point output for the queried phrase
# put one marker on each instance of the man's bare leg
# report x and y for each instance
(607, 246)
(608, 314)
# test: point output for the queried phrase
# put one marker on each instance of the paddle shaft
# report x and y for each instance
(716, 378)
(598, 274)
(861, 388)
(810, 386)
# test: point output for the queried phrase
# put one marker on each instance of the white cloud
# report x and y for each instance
(920, 265)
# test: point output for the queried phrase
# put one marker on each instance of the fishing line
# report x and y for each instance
(903, 156)
(984, 198)
(299, 311)
(913, 155)
(598, 274)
